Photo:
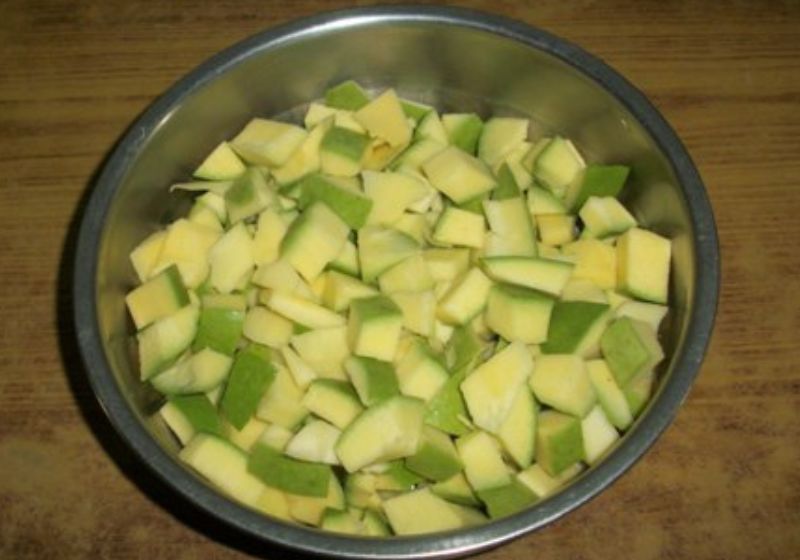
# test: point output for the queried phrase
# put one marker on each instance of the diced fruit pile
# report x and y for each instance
(391, 321)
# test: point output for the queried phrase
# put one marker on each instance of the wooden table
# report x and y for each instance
(722, 482)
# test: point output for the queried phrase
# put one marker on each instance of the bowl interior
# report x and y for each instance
(456, 64)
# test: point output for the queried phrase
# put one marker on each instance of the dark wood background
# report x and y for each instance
(721, 483)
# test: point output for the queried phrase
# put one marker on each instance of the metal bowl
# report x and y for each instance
(455, 60)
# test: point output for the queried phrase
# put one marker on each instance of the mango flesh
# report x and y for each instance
(388, 430)
(422, 511)
(412, 279)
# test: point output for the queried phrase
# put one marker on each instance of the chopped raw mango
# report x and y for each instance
(385, 321)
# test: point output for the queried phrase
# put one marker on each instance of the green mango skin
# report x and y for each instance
(447, 405)
(250, 377)
(507, 500)
(287, 474)
(569, 323)
(219, 329)
(200, 413)
(348, 96)
(351, 207)
(506, 185)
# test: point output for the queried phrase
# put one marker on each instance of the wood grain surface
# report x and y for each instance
(721, 483)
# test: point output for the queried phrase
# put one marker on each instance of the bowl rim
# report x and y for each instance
(448, 544)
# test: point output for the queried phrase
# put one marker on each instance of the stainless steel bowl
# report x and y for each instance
(456, 60)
